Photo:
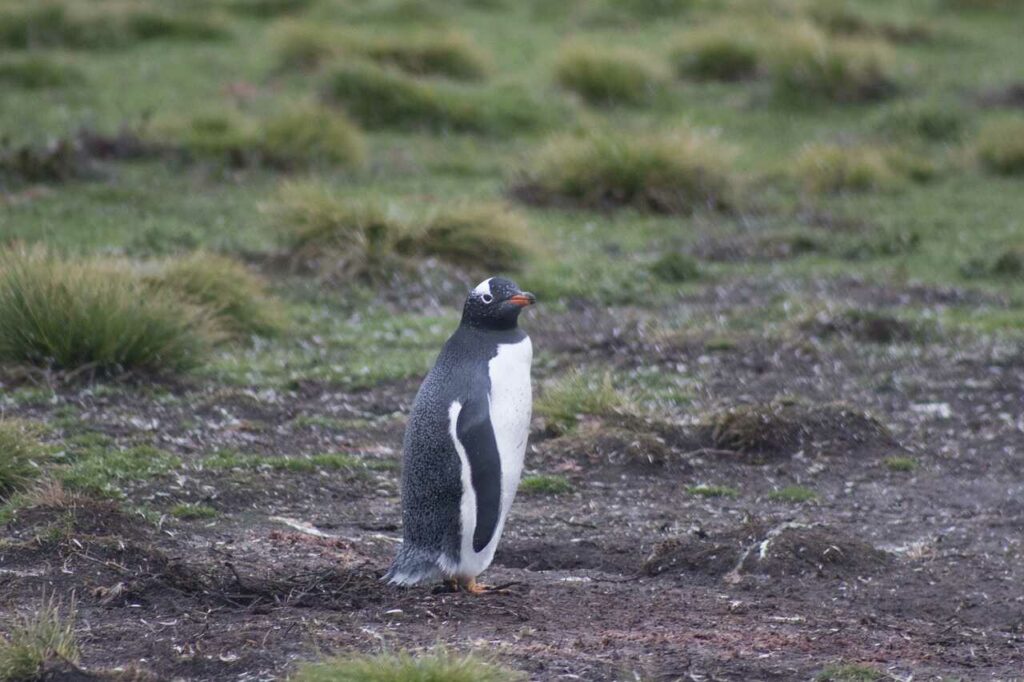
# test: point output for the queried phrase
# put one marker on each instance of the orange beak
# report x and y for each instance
(523, 299)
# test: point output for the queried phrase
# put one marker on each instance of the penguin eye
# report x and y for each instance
(486, 298)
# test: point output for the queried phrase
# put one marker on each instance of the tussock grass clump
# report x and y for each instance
(98, 25)
(305, 134)
(379, 97)
(675, 172)
(606, 76)
(831, 169)
(450, 54)
(312, 134)
(21, 455)
(929, 120)
(806, 65)
(265, 9)
(704, 490)
(842, 18)
(900, 464)
(1000, 145)
(236, 298)
(303, 44)
(722, 52)
(361, 238)
(92, 314)
(850, 672)
(436, 666)
(1007, 263)
(675, 267)
(564, 401)
(35, 72)
(48, 634)
(191, 511)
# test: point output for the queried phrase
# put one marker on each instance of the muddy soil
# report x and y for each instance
(629, 576)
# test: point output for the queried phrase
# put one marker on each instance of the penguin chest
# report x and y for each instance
(511, 406)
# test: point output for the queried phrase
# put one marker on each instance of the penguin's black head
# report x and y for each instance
(495, 304)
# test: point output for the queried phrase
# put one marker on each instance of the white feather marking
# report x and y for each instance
(484, 287)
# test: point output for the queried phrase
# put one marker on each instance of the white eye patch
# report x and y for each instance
(484, 288)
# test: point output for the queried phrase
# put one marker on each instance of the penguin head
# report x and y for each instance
(495, 304)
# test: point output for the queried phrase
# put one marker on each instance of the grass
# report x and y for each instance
(544, 484)
(849, 672)
(38, 71)
(793, 494)
(830, 169)
(21, 456)
(1005, 264)
(577, 393)
(675, 267)
(193, 511)
(34, 639)
(93, 315)
(806, 66)
(301, 135)
(104, 471)
(675, 172)
(930, 120)
(900, 464)
(364, 239)
(437, 666)
(1000, 145)
(99, 26)
(606, 77)
(704, 490)
(382, 98)
(236, 298)
(450, 53)
(721, 52)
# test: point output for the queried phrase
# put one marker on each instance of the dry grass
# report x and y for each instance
(47, 634)
(831, 169)
(1000, 145)
(93, 314)
(236, 299)
(21, 456)
(806, 65)
(674, 172)
(608, 76)
(360, 238)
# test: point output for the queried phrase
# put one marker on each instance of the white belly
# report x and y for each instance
(511, 406)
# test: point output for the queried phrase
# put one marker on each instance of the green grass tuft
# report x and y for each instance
(21, 456)
(806, 65)
(704, 490)
(930, 120)
(1000, 145)
(543, 484)
(675, 267)
(28, 24)
(48, 634)
(676, 172)
(95, 315)
(236, 299)
(849, 672)
(794, 494)
(38, 71)
(450, 54)
(378, 97)
(832, 168)
(359, 238)
(900, 463)
(191, 511)
(721, 52)
(439, 666)
(605, 76)
(310, 134)
(104, 470)
(265, 9)
(576, 394)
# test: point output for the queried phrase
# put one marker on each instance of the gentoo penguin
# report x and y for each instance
(465, 441)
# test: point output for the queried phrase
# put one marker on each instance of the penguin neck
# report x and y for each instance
(503, 334)
(490, 325)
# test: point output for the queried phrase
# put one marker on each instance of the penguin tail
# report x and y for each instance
(414, 565)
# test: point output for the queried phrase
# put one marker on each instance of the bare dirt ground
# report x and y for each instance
(629, 576)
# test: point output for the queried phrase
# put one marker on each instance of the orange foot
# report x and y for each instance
(472, 586)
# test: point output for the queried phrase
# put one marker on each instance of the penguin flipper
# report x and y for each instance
(414, 565)
(476, 435)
